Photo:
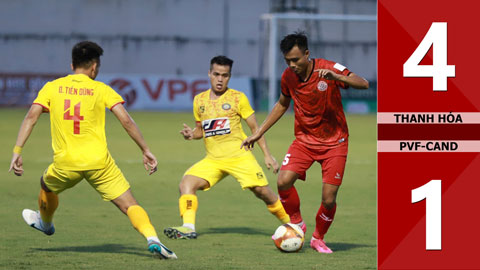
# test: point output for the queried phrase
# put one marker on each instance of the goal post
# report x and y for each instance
(274, 18)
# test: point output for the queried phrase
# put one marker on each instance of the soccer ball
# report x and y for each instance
(289, 238)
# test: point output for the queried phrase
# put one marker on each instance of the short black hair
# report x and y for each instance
(298, 39)
(222, 61)
(85, 53)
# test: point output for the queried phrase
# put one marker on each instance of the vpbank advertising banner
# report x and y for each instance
(428, 134)
(166, 92)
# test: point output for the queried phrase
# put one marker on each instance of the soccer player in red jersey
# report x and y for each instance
(321, 132)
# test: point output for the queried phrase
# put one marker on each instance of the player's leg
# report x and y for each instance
(294, 166)
(137, 215)
(326, 212)
(250, 175)
(111, 184)
(188, 205)
(47, 203)
(42, 220)
(332, 174)
(141, 222)
(201, 176)
(52, 182)
(324, 218)
(274, 206)
(289, 197)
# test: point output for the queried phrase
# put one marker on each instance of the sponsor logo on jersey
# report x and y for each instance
(339, 67)
(226, 106)
(322, 86)
(202, 109)
(216, 126)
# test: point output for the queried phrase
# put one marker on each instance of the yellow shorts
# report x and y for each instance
(109, 181)
(246, 170)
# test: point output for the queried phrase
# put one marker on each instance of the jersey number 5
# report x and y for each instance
(76, 117)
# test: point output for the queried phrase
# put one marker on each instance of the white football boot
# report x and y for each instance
(33, 219)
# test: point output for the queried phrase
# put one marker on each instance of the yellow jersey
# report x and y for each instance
(77, 120)
(220, 119)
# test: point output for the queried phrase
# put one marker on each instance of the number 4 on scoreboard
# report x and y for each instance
(432, 192)
(439, 71)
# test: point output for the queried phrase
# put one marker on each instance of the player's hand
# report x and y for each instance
(249, 142)
(187, 132)
(327, 74)
(16, 165)
(272, 163)
(149, 162)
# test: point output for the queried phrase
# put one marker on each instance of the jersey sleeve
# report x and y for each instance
(112, 98)
(340, 69)
(196, 113)
(245, 109)
(284, 85)
(43, 97)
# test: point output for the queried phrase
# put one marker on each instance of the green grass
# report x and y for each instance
(234, 227)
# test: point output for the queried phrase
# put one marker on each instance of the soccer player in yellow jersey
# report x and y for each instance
(76, 104)
(218, 112)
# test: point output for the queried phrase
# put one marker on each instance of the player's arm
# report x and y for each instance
(25, 130)
(277, 112)
(270, 161)
(352, 79)
(149, 160)
(192, 134)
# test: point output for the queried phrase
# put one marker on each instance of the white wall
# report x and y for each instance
(160, 36)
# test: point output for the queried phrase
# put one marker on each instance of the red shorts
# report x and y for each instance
(299, 158)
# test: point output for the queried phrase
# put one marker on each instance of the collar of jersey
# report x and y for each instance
(228, 88)
(80, 75)
(310, 75)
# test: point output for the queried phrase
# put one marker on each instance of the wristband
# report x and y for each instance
(17, 149)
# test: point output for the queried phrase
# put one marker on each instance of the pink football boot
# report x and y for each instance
(319, 245)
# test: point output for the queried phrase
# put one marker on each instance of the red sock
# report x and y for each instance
(324, 219)
(291, 203)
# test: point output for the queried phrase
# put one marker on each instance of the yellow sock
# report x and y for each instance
(47, 203)
(140, 221)
(277, 210)
(188, 204)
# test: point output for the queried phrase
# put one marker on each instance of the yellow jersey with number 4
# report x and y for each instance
(77, 120)
(221, 122)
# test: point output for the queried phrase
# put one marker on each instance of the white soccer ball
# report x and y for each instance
(289, 237)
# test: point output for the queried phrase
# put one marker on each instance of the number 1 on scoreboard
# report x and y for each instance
(432, 192)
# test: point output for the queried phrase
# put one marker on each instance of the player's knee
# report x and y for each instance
(43, 185)
(328, 203)
(191, 185)
(285, 180)
(265, 193)
(259, 191)
(283, 183)
(184, 187)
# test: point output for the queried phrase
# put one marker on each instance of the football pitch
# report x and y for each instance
(234, 226)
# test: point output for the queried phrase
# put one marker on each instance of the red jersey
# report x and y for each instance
(319, 119)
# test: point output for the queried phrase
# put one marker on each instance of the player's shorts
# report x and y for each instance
(245, 169)
(299, 158)
(109, 181)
